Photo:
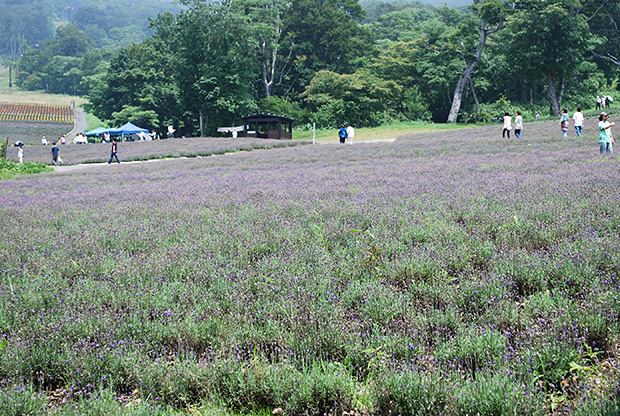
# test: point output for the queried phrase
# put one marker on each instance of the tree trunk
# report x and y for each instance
(458, 92)
(473, 93)
(10, 75)
(460, 85)
(269, 67)
(555, 93)
(201, 116)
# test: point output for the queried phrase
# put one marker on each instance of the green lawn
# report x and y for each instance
(386, 131)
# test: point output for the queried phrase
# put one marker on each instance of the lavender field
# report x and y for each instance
(73, 154)
(452, 273)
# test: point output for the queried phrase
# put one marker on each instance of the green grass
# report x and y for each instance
(385, 131)
(9, 170)
(93, 122)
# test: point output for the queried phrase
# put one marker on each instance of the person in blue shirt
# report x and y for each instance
(342, 134)
(55, 152)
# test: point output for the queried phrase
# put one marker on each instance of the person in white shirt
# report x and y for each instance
(350, 133)
(44, 141)
(578, 121)
(518, 124)
(507, 124)
(20, 152)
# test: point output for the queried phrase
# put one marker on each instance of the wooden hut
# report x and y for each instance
(268, 126)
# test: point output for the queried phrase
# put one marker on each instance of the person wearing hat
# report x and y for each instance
(605, 137)
(20, 152)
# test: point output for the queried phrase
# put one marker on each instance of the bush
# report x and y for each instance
(10, 169)
(19, 400)
(411, 393)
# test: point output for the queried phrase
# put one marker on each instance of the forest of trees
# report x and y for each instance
(205, 63)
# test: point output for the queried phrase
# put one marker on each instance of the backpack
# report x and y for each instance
(342, 133)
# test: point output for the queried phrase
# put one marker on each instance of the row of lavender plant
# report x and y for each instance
(73, 154)
(445, 274)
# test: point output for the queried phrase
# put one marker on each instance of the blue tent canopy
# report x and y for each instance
(128, 128)
(96, 132)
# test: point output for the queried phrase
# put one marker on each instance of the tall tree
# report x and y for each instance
(327, 35)
(214, 71)
(141, 79)
(548, 43)
(492, 15)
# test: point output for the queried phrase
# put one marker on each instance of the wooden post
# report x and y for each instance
(5, 148)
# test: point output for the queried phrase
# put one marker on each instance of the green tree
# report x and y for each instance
(549, 41)
(327, 35)
(492, 14)
(424, 68)
(360, 98)
(59, 64)
(215, 72)
(139, 84)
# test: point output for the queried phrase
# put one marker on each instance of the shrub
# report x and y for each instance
(20, 400)
(10, 169)
(493, 395)
(411, 393)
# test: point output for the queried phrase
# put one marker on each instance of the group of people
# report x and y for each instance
(508, 124)
(606, 139)
(603, 101)
(577, 122)
(346, 134)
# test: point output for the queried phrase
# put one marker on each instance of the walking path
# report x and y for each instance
(79, 123)
(70, 168)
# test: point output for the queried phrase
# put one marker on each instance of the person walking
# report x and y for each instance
(605, 137)
(113, 151)
(564, 122)
(507, 124)
(350, 133)
(599, 101)
(518, 124)
(55, 152)
(578, 121)
(342, 134)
